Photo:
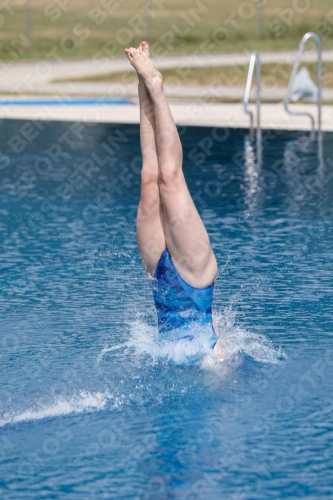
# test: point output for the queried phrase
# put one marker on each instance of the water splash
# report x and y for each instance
(144, 341)
(60, 406)
(143, 344)
(238, 341)
(235, 340)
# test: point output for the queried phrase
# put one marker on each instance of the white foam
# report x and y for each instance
(144, 340)
(83, 401)
(235, 340)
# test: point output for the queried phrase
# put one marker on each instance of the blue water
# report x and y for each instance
(69, 101)
(91, 406)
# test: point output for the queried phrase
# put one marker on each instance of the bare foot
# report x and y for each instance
(140, 60)
(145, 48)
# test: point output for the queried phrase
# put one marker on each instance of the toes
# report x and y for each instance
(131, 52)
(145, 47)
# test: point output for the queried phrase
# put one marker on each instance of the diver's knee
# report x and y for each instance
(169, 176)
(148, 177)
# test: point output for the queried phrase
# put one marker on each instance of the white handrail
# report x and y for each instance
(254, 61)
(290, 87)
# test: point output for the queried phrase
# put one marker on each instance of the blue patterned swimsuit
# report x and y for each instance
(183, 311)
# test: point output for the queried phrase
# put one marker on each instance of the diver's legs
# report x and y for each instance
(149, 224)
(185, 234)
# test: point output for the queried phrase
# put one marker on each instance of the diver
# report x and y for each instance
(172, 239)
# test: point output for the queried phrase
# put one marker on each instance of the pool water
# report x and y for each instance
(92, 407)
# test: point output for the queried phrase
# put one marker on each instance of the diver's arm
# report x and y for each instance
(216, 328)
(219, 352)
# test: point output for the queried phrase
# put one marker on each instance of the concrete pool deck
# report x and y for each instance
(41, 76)
(190, 105)
(273, 116)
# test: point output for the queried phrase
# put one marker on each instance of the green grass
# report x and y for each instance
(272, 75)
(175, 27)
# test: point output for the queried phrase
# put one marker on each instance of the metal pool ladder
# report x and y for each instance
(254, 62)
(287, 96)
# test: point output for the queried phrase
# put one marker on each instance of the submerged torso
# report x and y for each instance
(183, 311)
